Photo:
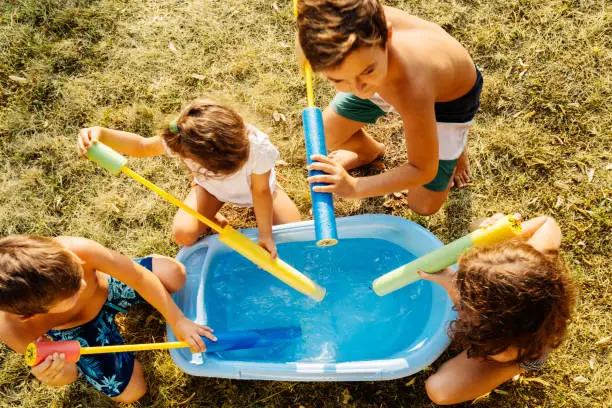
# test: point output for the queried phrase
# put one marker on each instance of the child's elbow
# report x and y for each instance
(261, 190)
(437, 391)
(430, 173)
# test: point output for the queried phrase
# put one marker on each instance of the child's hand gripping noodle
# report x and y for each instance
(234, 340)
(436, 261)
(115, 163)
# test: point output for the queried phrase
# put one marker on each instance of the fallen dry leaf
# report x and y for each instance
(481, 398)
(581, 379)
(590, 175)
(346, 396)
(603, 341)
(198, 76)
(609, 166)
(536, 380)
(592, 364)
(18, 79)
(500, 392)
(281, 163)
(172, 47)
(276, 116)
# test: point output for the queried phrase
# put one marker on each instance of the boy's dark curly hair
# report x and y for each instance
(511, 295)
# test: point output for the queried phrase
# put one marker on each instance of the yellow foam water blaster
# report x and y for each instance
(504, 229)
(116, 163)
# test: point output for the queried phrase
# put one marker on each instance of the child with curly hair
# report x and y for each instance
(231, 162)
(513, 302)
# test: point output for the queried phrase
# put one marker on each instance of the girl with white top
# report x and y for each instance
(231, 162)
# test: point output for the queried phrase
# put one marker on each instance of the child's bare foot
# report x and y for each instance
(221, 220)
(345, 158)
(462, 171)
(351, 160)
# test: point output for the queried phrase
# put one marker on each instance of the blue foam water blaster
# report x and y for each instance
(322, 203)
(247, 339)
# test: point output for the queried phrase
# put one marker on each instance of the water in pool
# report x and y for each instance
(351, 323)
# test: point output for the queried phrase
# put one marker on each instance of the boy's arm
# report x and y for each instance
(145, 283)
(124, 142)
(262, 204)
(543, 233)
(421, 138)
(421, 148)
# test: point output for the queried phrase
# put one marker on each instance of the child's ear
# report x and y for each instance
(389, 30)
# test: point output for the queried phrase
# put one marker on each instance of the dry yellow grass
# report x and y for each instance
(541, 145)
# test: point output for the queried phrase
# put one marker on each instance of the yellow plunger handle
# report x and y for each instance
(169, 197)
(133, 347)
(309, 89)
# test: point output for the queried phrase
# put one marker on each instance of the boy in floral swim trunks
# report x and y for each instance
(70, 288)
(383, 60)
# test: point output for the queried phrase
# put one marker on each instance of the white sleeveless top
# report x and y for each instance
(236, 187)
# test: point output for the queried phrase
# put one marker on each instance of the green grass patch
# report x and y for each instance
(541, 145)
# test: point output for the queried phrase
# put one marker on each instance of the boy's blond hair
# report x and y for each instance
(329, 30)
(35, 273)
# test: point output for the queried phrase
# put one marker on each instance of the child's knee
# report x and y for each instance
(437, 390)
(136, 389)
(426, 208)
(185, 236)
(170, 272)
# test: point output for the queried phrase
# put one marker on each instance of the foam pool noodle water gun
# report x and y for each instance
(226, 341)
(504, 229)
(314, 136)
(115, 163)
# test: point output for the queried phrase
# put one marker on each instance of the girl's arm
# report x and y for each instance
(262, 203)
(124, 142)
(146, 283)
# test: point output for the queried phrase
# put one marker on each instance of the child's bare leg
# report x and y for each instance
(462, 171)
(284, 209)
(136, 388)
(349, 144)
(426, 202)
(187, 229)
(171, 273)
(462, 379)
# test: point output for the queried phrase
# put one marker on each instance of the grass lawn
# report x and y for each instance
(541, 145)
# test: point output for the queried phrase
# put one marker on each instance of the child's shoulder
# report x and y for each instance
(83, 248)
(14, 334)
(263, 154)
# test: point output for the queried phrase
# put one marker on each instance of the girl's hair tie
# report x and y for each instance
(173, 127)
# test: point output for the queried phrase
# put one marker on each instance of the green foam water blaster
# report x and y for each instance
(106, 157)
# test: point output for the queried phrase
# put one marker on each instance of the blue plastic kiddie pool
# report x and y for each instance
(352, 335)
